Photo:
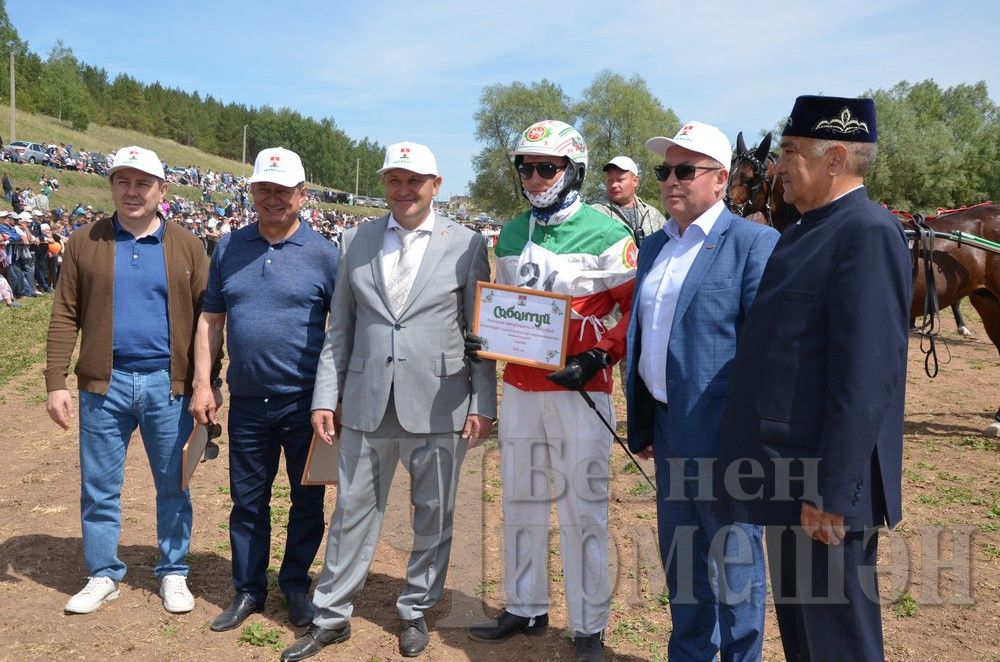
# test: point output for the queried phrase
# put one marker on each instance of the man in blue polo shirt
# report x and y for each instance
(130, 288)
(270, 285)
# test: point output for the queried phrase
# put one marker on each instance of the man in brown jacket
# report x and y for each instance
(131, 287)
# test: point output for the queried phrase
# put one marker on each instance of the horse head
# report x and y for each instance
(748, 187)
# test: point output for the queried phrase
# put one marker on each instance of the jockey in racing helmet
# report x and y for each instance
(560, 245)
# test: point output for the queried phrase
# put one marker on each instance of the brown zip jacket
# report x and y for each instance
(84, 303)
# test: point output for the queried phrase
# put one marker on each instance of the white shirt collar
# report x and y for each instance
(705, 222)
(427, 225)
(846, 192)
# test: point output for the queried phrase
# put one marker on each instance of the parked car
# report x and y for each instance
(180, 175)
(91, 162)
(26, 152)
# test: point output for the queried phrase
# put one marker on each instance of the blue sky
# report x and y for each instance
(414, 70)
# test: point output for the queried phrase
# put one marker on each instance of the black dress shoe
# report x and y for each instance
(242, 606)
(507, 625)
(300, 609)
(413, 637)
(314, 640)
(588, 647)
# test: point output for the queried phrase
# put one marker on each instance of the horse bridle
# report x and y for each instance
(758, 181)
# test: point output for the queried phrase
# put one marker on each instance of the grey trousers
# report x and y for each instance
(367, 464)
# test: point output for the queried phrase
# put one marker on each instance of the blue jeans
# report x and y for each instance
(715, 572)
(107, 422)
(259, 428)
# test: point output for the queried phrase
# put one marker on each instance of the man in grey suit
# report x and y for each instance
(394, 382)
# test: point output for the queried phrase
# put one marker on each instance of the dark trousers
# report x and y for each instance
(259, 428)
(826, 596)
(18, 283)
(41, 277)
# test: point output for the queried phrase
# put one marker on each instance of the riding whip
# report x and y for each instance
(593, 405)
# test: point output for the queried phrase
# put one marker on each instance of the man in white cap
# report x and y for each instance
(695, 282)
(620, 202)
(132, 286)
(269, 288)
(394, 381)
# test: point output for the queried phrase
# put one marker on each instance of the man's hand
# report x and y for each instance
(473, 345)
(204, 404)
(580, 369)
(326, 424)
(823, 527)
(477, 429)
(59, 404)
(646, 453)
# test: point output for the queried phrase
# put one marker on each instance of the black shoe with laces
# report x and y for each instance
(413, 637)
(507, 625)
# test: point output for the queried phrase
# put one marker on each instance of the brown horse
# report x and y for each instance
(753, 191)
(960, 270)
(963, 271)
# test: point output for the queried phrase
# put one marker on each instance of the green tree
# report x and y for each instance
(619, 115)
(62, 91)
(937, 148)
(504, 112)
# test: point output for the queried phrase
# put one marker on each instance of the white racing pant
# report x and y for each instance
(553, 447)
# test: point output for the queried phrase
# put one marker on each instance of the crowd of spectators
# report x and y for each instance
(32, 231)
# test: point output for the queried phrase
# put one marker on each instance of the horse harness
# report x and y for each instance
(930, 322)
(757, 183)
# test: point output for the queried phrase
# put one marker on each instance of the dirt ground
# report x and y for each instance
(952, 513)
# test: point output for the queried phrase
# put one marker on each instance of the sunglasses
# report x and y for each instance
(684, 172)
(545, 170)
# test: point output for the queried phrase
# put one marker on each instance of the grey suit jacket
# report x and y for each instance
(421, 354)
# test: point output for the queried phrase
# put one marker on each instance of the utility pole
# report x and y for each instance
(357, 174)
(244, 150)
(13, 117)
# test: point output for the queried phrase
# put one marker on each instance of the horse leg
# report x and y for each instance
(963, 330)
(988, 307)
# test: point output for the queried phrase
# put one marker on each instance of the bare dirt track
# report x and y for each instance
(951, 492)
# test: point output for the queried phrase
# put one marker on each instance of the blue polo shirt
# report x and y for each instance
(141, 332)
(276, 299)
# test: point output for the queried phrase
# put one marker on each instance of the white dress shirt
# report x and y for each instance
(658, 296)
(391, 243)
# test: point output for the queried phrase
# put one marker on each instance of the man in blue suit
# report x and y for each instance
(811, 442)
(695, 282)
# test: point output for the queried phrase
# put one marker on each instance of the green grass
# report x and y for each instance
(630, 468)
(486, 587)
(256, 634)
(22, 336)
(640, 489)
(106, 139)
(905, 607)
(93, 189)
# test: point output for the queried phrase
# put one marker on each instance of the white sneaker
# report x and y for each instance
(177, 599)
(97, 591)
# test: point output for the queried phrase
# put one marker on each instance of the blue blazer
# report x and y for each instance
(712, 305)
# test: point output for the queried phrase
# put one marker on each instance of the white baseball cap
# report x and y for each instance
(139, 158)
(697, 137)
(622, 163)
(410, 156)
(278, 165)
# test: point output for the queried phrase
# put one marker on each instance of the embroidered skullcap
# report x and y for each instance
(832, 118)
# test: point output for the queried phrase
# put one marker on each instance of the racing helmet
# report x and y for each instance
(554, 138)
